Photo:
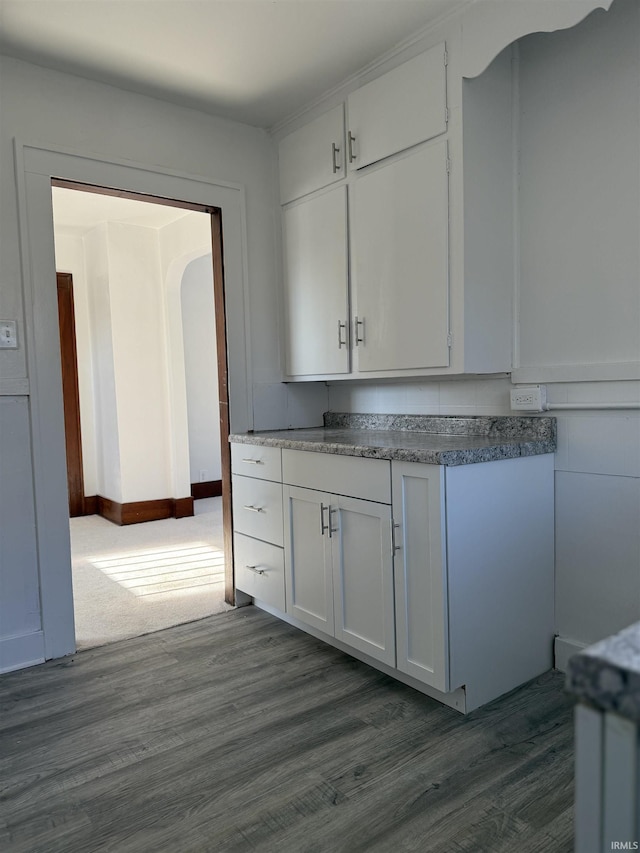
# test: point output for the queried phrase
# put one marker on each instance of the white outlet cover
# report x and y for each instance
(8, 334)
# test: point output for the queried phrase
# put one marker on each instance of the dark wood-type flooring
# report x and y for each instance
(240, 733)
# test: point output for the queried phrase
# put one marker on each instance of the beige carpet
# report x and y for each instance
(132, 580)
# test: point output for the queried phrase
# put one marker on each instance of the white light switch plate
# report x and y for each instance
(8, 334)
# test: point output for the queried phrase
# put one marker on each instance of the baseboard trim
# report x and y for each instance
(21, 652)
(563, 650)
(208, 489)
(90, 506)
(139, 512)
(183, 507)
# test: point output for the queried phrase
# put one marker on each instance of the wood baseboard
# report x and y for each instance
(208, 489)
(183, 507)
(90, 505)
(138, 512)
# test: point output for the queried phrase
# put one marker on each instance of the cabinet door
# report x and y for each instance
(422, 628)
(315, 277)
(399, 109)
(313, 156)
(400, 267)
(363, 576)
(307, 551)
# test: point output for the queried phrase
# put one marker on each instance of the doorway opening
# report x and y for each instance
(130, 440)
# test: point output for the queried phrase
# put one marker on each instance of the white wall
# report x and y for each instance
(580, 193)
(181, 242)
(138, 332)
(466, 396)
(107, 439)
(201, 370)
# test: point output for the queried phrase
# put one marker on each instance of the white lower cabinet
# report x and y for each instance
(474, 574)
(339, 574)
(442, 575)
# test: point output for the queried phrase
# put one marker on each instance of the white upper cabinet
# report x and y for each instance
(400, 263)
(316, 302)
(399, 109)
(405, 267)
(312, 157)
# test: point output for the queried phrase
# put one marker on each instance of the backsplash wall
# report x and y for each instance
(469, 396)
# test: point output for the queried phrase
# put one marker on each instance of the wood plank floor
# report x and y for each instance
(240, 733)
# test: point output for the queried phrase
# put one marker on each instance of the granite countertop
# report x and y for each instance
(441, 440)
(607, 674)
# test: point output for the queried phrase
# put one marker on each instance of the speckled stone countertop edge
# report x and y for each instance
(491, 426)
(513, 449)
(607, 674)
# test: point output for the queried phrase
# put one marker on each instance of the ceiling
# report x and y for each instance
(76, 212)
(255, 61)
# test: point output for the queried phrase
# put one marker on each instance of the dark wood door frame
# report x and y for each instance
(221, 345)
(70, 393)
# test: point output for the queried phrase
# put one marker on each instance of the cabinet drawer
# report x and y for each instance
(259, 569)
(353, 476)
(253, 460)
(257, 509)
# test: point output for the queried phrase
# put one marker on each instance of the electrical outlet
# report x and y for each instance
(530, 398)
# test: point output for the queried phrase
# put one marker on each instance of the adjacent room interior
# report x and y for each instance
(135, 290)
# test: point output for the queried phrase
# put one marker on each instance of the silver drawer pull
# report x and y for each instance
(253, 508)
(256, 570)
(253, 461)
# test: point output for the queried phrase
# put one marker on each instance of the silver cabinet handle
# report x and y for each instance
(341, 326)
(351, 139)
(256, 570)
(332, 530)
(253, 461)
(252, 508)
(324, 527)
(335, 150)
(395, 547)
(359, 339)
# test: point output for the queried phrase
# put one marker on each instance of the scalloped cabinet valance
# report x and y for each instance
(488, 26)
